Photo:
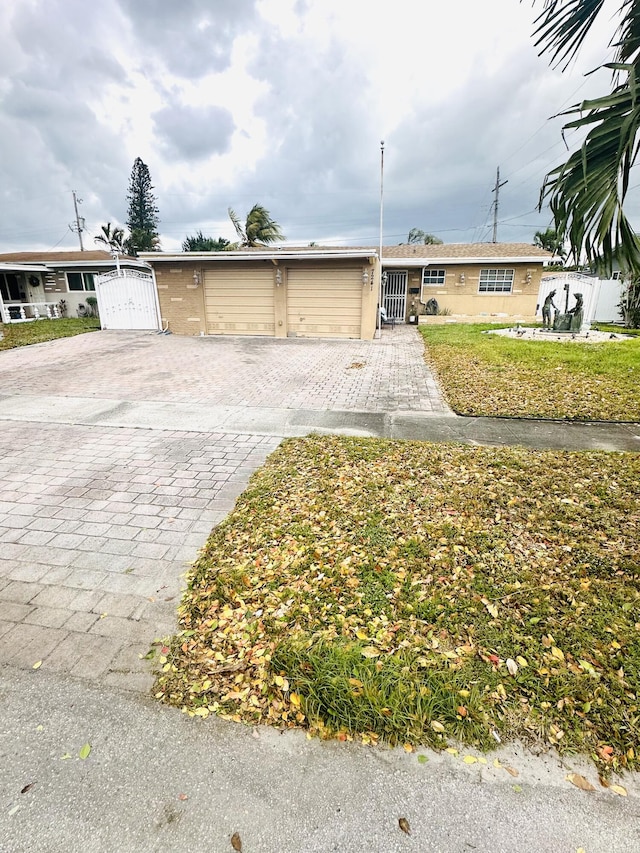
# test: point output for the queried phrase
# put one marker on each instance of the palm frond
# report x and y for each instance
(563, 25)
(238, 226)
(627, 41)
(586, 194)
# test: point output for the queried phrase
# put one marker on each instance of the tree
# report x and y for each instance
(200, 243)
(587, 193)
(418, 236)
(142, 214)
(549, 241)
(113, 240)
(259, 228)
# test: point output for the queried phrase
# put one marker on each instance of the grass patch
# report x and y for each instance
(498, 376)
(412, 593)
(23, 334)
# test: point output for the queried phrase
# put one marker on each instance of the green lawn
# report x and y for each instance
(489, 375)
(23, 334)
(422, 594)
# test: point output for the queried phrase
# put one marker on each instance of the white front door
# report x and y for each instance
(395, 295)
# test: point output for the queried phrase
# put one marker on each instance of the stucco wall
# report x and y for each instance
(460, 296)
(182, 303)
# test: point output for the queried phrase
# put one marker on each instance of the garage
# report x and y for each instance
(280, 292)
(324, 302)
(239, 301)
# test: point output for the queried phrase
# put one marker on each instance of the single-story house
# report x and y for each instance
(323, 292)
(33, 284)
(466, 281)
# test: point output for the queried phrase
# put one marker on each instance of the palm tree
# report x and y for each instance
(112, 239)
(549, 241)
(200, 243)
(416, 235)
(259, 228)
(586, 194)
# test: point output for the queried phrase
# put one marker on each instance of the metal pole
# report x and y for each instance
(378, 319)
(79, 227)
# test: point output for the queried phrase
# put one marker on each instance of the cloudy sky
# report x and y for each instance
(281, 102)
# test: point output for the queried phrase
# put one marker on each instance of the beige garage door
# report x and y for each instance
(324, 303)
(239, 302)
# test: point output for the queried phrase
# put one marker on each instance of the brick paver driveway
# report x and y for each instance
(368, 376)
(99, 523)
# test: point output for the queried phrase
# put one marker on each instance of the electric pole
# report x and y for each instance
(496, 190)
(78, 226)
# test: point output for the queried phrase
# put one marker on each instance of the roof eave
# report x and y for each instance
(281, 255)
(54, 265)
(431, 262)
(18, 267)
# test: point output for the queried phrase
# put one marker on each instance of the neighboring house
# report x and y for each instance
(325, 292)
(32, 284)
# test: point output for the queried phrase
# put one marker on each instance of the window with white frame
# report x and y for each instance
(432, 277)
(495, 281)
(81, 281)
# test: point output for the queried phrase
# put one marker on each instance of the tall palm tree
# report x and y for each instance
(586, 194)
(549, 241)
(112, 239)
(259, 228)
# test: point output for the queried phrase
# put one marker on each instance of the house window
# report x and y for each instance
(81, 281)
(10, 287)
(432, 278)
(495, 281)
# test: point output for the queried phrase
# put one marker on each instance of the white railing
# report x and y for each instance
(25, 312)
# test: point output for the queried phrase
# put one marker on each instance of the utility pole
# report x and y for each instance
(78, 226)
(496, 190)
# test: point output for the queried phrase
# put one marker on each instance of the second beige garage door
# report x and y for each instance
(239, 302)
(324, 303)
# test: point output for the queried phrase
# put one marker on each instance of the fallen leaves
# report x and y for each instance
(403, 823)
(387, 555)
(494, 376)
(236, 842)
(579, 781)
(85, 751)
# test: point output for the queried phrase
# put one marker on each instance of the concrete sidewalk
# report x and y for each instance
(284, 422)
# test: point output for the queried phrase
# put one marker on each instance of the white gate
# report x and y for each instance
(127, 299)
(395, 295)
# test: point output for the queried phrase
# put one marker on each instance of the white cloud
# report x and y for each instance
(281, 102)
